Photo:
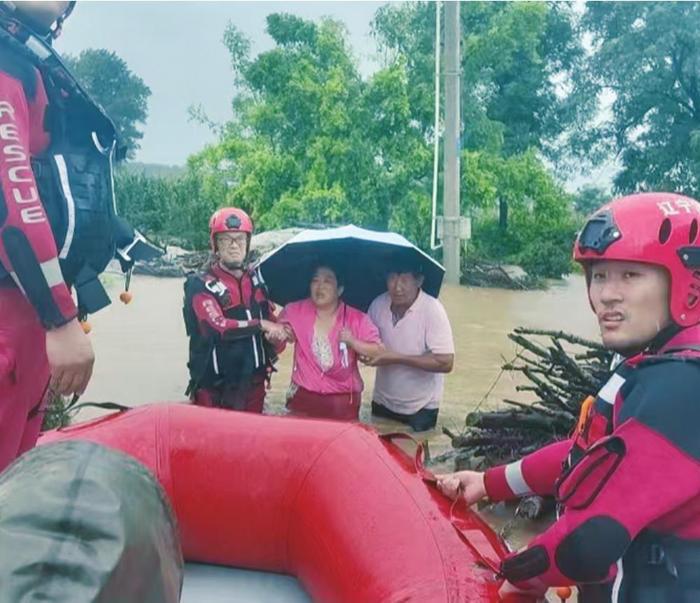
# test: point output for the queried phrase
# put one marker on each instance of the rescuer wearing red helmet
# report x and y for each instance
(58, 230)
(230, 321)
(629, 490)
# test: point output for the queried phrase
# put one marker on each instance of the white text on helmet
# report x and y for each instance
(673, 207)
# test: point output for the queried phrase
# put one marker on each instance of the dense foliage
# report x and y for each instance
(122, 93)
(314, 142)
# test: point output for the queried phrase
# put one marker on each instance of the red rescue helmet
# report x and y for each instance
(651, 228)
(229, 219)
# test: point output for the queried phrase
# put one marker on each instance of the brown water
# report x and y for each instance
(142, 348)
(141, 351)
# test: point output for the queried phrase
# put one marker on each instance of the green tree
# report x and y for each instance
(311, 142)
(170, 210)
(519, 63)
(541, 225)
(122, 93)
(522, 76)
(589, 198)
(647, 54)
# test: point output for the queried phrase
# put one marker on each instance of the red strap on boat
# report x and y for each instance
(426, 475)
(478, 536)
(488, 548)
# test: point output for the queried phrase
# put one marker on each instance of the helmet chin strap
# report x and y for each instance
(655, 344)
(232, 265)
(7, 6)
(663, 337)
(47, 33)
(57, 28)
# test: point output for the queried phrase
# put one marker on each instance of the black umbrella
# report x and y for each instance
(362, 257)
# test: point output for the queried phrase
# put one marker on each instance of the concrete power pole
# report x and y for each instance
(451, 222)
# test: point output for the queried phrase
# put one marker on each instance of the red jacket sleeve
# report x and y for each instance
(27, 248)
(648, 468)
(533, 474)
(212, 320)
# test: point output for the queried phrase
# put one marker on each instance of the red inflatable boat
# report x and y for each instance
(346, 511)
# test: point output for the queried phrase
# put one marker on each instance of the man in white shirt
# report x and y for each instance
(416, 333)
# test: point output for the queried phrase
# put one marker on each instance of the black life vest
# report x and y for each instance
(217, 363)
(656, 568)
(74, 176)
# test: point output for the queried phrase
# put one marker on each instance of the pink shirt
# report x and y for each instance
(424, 328)
(306, 372)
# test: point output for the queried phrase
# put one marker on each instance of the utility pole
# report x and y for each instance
(451, 222)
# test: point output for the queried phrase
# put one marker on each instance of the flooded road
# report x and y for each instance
(141, 348)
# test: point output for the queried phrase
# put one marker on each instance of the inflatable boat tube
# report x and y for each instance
(343, 509)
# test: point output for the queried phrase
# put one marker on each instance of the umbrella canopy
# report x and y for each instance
(362, 257)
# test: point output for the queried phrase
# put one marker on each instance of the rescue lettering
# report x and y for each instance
(214, 313)
(23, 191)
(32, 215)
(14, 153)
(9, 132)
(7, 109)
(15, 174)
(32, 198)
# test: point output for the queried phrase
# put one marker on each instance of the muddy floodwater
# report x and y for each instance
(141, 348)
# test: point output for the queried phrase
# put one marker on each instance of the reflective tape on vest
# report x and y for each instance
(609, 391)
(70, 205)
(51, 270)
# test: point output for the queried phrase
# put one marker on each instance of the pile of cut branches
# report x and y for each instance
(561, 370)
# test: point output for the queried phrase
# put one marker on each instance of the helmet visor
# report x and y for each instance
(599, 233)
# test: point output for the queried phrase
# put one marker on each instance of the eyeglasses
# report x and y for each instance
(230, 240)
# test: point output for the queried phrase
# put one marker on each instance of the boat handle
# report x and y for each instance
(426, 475)
(464, 529)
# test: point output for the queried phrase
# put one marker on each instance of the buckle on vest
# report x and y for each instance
(656, 554)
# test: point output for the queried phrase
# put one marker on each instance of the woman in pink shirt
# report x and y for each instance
(328, 337)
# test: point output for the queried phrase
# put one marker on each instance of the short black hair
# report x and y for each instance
(405, 266)
(333, 267)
